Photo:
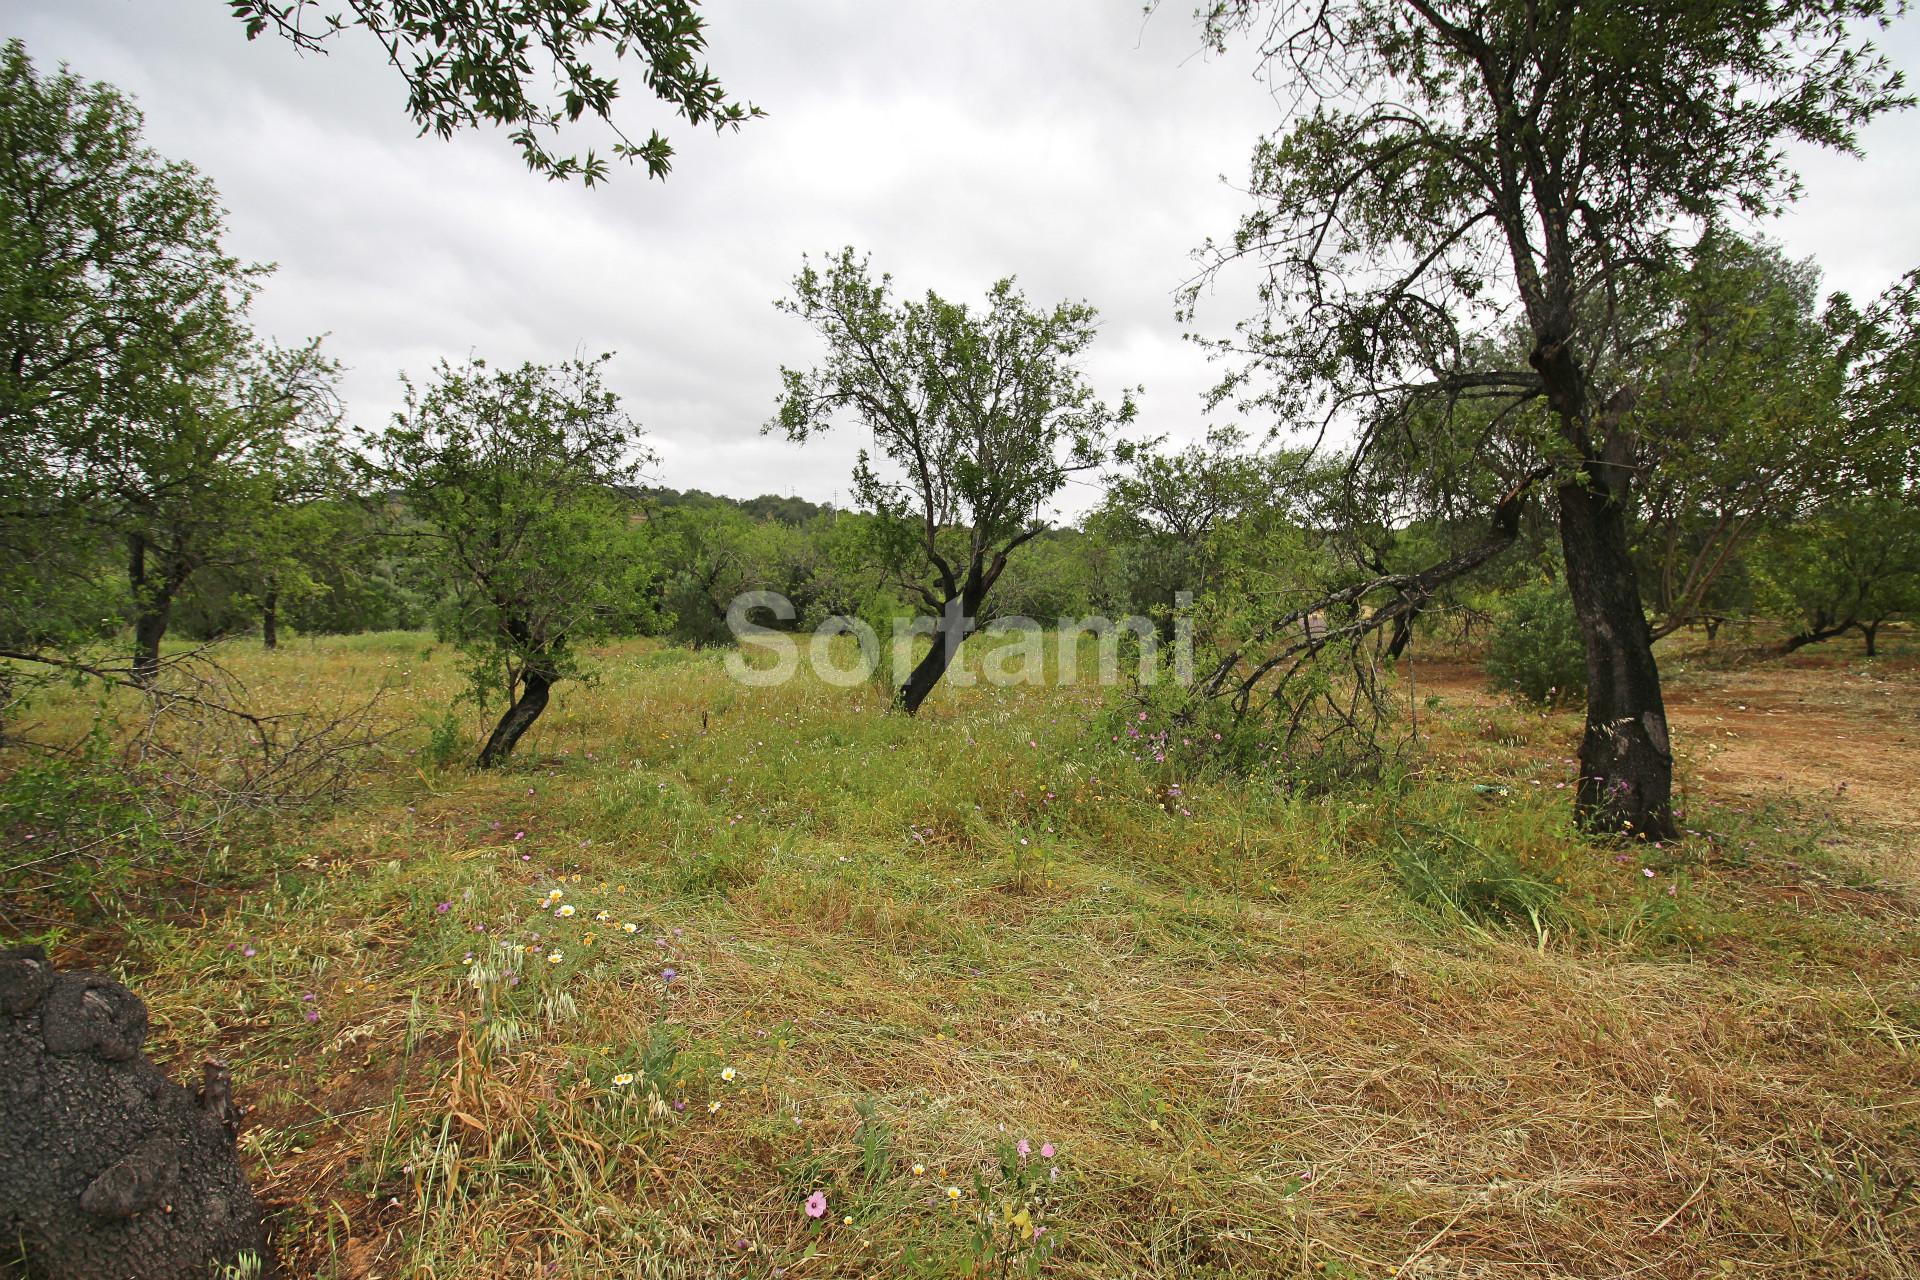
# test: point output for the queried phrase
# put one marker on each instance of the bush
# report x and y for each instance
(1535, 648)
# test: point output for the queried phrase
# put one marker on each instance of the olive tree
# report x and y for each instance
(506, 476)
(977, 418)
(1455, 166)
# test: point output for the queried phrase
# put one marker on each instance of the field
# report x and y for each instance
(1017, 1002)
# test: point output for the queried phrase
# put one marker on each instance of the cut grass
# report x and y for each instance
(1415, 1028)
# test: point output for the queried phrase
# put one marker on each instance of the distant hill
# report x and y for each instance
(768, 506)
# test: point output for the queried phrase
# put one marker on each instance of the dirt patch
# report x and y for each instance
(1814, 730)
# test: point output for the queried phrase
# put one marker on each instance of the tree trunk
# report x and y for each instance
(152, 609)
(1870, 630)
(1822, 627)
(1712, 626)
(270, 619)
(534, 688)
(958, 620)
(1626, 759)
(1402, 633)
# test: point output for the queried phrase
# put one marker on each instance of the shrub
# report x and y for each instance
(1535, 649)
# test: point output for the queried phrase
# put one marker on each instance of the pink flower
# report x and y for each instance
(1046, 1151)
(1024, 1147)
(817, 1205)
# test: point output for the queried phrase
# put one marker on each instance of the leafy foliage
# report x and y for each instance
(1534, 649)
(470, 63)
(508, 474)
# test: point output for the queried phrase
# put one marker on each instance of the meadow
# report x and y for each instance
(756, 982)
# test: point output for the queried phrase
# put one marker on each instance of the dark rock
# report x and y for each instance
(109, 1170)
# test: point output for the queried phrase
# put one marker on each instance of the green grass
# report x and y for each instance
(1416, 1028)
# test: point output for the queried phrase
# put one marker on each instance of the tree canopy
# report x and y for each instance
(469, 63)
(977, 417)
(1456, 169)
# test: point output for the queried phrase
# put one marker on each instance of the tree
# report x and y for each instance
(1164, 509)
(119, 321)
(469, 63)
(509, 474)
(1459, 164)
(1742, 425)
(981, 414)
(1853, 566)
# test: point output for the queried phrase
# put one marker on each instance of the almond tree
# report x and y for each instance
(977, 417)
(507, 477)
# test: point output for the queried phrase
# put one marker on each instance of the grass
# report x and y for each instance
(1417, 1028)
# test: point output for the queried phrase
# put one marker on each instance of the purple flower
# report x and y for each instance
(668, 975)
(443, 908)
(817, 1205)
(248, 952)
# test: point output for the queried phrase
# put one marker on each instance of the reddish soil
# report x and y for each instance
(1827, 730)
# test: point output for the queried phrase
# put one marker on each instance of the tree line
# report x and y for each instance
(1507, 300)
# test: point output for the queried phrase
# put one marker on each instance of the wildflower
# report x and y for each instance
(817, 1205)
(554, 895)
(953, 1193)
(713, 1106)
(565, 911)
(1046, 1151)
(313, 1015)
(603, 916)
(1024, 1147)
(1647, 872)
(919, 1169)
(443, 907)
(727, 1074)
(630, 927)
(553, 957)
(248, 952)
(519, 835)
(668, 975)
(624, 1079)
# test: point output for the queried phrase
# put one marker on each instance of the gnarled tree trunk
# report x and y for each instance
(1626, 759)
(958, 620)
(535, 684)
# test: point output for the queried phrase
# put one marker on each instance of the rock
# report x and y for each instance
(109, 1170)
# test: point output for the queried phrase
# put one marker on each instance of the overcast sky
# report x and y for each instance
(1072, 143)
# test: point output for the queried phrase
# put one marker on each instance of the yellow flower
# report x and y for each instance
(624, 1079)
(728, 1074)
(554, 895)
(553, 957)
(603, 916)
(919, 1169)
(565, 911)
(953, 1193)
(630, 927)
(713, 1106)
(847, 1221)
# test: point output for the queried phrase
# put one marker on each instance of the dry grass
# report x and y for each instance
(1256, 1048)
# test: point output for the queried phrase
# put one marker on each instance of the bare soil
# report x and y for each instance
(1827, 732)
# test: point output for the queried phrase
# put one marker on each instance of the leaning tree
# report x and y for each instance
(980, 417)
(507, 477)
(1455, 167)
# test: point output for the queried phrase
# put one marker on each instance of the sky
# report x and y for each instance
(1080, 145)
